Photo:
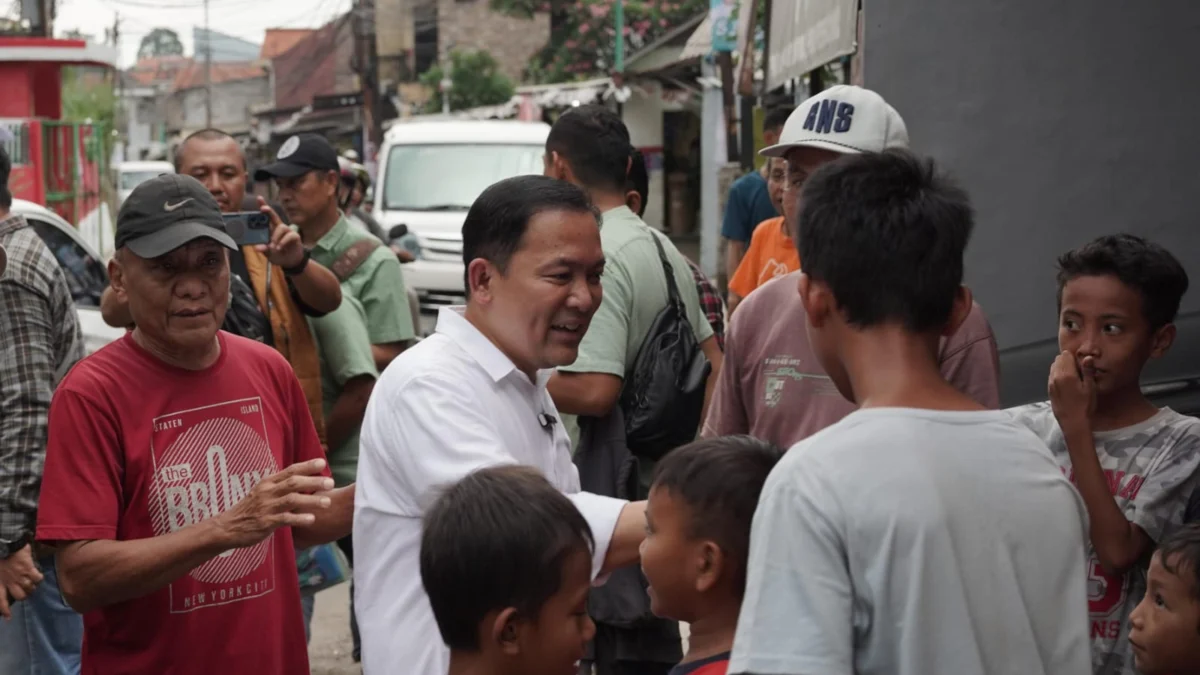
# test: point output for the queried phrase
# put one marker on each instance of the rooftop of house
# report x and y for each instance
(193, 75)
(279, 40)
(158, 69)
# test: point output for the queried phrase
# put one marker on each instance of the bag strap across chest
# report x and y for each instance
(352, 258)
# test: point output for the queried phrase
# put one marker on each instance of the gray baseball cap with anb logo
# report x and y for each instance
(166, 212)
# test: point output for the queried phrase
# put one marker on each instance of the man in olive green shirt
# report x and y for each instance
(589, 146)
(308, 176)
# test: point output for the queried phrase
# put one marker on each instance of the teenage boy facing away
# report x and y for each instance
(1135, 465)
(922, 534)
(1166, 625)
(702, 501)
(506, 562)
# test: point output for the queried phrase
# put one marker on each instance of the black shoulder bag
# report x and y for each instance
(663, 394)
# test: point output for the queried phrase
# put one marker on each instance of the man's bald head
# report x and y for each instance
(213, 136)
(216, 159)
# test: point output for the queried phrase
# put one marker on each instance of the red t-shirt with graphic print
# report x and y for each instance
(139, 449)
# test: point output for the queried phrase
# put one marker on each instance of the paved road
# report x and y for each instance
(329, 650)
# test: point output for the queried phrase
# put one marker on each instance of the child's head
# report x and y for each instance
(1117, 299)
(776, 179)
(506, 562)
(1165, 632)
(882, 237)
(702, 501)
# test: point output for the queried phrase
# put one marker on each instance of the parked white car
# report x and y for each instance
(430, 172)
(85, 270)
(132, 174)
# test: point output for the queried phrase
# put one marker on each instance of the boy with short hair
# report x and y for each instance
(1165, 633)
(698, 517)
(1134, 464)
(506, 563)
(922, 534)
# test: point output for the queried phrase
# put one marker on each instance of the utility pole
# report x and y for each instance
(207, 70)
(367, 62)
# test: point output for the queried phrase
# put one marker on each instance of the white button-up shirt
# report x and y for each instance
(450, 405)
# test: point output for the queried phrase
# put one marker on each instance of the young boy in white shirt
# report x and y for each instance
(922, 534)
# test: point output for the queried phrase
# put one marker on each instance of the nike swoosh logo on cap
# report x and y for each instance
(168, 206)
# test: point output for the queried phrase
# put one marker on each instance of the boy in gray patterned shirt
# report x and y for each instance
(1134, 464)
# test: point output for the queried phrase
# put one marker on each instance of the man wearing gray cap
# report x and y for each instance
(183, 468)
(772, 386)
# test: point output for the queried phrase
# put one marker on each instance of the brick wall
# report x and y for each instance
(230, 110)
(472, 25)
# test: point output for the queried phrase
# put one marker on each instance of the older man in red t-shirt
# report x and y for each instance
(183, 467)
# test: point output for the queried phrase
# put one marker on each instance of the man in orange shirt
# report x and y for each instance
(771, 253)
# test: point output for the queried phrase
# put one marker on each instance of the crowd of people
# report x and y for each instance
(856, 501)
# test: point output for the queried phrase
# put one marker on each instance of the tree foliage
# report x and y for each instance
(584, 37)
(477, 82)
(160, 42)
(89, 97)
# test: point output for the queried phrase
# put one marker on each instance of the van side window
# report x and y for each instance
(85, 275)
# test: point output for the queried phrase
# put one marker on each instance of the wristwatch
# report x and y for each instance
(300, 266)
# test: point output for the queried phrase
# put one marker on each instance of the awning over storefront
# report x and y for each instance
(807, 34)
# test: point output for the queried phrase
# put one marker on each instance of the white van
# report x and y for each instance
(430, 172)
(133, 174)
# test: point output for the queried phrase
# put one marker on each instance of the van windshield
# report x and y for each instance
(132, 179)
(447, 177)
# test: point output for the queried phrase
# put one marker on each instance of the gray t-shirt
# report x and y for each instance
(1152, 470)
(916, 542)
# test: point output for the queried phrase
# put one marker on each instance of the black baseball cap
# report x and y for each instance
(166, 212)
(298, 155)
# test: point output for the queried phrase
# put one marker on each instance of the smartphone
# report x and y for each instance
(254, 226)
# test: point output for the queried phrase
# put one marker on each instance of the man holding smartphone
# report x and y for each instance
(274, 285)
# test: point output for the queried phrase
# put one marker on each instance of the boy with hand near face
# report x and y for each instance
(1134, 464)
(1165, 633)
(698, 518)
(506, 563)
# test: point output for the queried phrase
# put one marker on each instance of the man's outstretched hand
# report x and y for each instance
(277, 501)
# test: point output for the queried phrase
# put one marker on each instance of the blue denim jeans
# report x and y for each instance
(45, 636)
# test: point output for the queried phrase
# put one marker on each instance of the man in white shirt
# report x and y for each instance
(922, 534)
(473, 395)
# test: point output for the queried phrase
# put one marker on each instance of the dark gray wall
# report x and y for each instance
(1065, 121)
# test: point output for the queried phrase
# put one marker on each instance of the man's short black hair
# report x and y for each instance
(595, 142)
(776, 118)
(720, 480)
(498, 538)
(639, 179)
(206, 135)
(1180, 554)
(497, 220)
(6, 197)
(1142, 265)
(886, 232)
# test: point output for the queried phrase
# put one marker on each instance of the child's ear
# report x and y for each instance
(817, 300)
(1161, 340)
(963, 303)
(506, 632)
(711, 566)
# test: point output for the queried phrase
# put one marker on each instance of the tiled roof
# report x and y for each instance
(279, 40)
(157, 69)
(310, 68)
(193, 75)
